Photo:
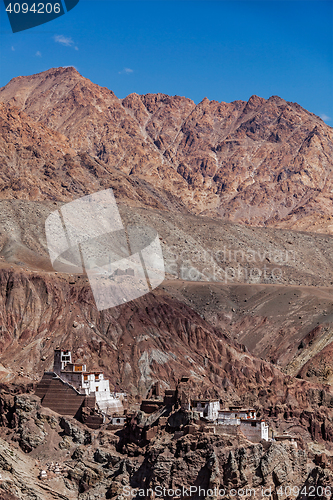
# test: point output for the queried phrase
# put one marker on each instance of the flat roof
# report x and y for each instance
(96, 372)
(82, 372)
(250, 420)
(238, 410)
(285, 437)
(205, 400)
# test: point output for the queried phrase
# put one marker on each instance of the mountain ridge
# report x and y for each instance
(260, 162)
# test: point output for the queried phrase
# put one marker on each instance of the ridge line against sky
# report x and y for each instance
(223, 50)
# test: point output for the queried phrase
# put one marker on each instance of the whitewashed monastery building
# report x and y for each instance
(229, 420)
(70, 387)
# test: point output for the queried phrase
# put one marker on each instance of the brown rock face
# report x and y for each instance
(96, 122)
(256, 162)
(320, 366)
(39, 164)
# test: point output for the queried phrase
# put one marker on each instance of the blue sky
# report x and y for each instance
(223, 50)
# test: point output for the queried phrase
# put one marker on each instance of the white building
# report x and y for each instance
(246, 420)
(233, 416)
(86, 382)
(118, 420)
(206, 408)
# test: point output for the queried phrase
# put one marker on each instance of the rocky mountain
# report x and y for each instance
(261, 162)
(167, 161)
(39, 164)
(246, 311)
(63, 136)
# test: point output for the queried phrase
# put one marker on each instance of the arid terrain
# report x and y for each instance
(241, 196)
(256, 162)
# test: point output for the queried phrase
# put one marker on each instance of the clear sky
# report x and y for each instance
(223, 50)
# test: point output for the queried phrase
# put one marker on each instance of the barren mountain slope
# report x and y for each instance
(319, 365)
(209, 267)
(39, 164)
(258, 162)
(156, 337)
(194, 248)
(286, 325)
(95, 122)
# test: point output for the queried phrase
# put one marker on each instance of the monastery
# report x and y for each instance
(226, 421)
(70, 387)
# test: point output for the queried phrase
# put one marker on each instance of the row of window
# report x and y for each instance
(85, 378)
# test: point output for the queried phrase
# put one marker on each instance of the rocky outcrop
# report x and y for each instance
(80, 435)
(319, 366)
(21, 414)
(212, 463)
(94, 465)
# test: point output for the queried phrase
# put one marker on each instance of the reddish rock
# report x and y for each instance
(265, 161)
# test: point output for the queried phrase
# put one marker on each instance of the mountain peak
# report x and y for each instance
(250, 161)
(61, 70)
